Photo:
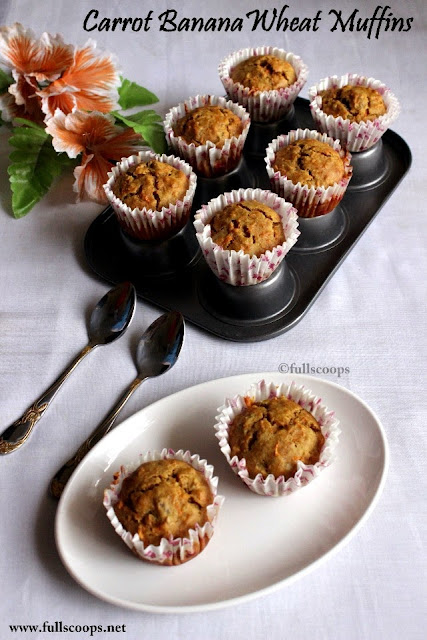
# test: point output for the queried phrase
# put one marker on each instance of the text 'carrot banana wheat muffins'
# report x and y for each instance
(165, 508)
(276, 438)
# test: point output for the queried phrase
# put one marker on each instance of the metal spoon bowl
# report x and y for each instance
(109, 320)
(157, 351)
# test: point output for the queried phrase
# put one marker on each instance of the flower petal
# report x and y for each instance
(22, 101)
(45, 59)
(64, 137)
(93, 79)
(121, 146)
(90, 177)
(17, 46)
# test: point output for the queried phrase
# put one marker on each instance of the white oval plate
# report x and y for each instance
(259, 544)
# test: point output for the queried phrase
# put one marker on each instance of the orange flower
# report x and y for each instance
(89, 84)
(32, 62)
(99, 140)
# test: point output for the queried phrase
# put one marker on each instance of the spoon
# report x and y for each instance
(158, 350)
(109, 320)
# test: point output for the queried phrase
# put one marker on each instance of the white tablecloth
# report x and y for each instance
(370, 319)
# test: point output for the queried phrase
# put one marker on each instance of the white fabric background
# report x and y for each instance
(370, 318)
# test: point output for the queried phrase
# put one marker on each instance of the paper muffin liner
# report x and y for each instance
(207, 160)
(236, 267)
(170, 551)
(147, 224)
(272, 486)
(263, 106)
(352, 135)
(309, 201)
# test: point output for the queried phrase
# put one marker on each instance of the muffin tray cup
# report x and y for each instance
(173, 274)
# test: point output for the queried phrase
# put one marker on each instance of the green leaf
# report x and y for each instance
(29, 123)
(147, 124)
(148, 116)
(5, 80)
(34, 165)
(132, 94)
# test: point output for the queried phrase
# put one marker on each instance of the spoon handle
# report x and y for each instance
(14, 436)
(62, 476)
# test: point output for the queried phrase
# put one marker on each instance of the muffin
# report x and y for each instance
(276, 439)
(249, 226)
(310, 162)
(265, 80)
(245, 234)
(310, 170)
(353, 109)
(151, 195)
(151, 185)
(272, 435)
(356, 104)
(209, 123)
(264, 73)
(209, 133)
(165, 508)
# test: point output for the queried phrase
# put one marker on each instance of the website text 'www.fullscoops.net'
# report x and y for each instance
(59, 627)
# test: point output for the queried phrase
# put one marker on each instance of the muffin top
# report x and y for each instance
(264, 73)
(163, 499)
(273, 435)
(310, 162)
(208, 123)
(151, 185)
(249, 226)
(353, 103)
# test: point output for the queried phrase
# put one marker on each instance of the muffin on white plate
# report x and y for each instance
(277, 438)
(164, 506)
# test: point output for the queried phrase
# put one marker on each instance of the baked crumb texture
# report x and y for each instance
(163, 499)
(310, 162)
(210, 123)
(249, 226)
(151, 185)
(354, 103)
(264, 73)
(273, 435)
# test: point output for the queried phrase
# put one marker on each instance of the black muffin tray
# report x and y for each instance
(173, 274)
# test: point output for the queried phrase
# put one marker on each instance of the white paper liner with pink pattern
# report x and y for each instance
(263, 106)
(146, 224)
(309, 201)
(271, 486)
(177, 550)
(207, 159)
(352, 135)
(236, 267)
